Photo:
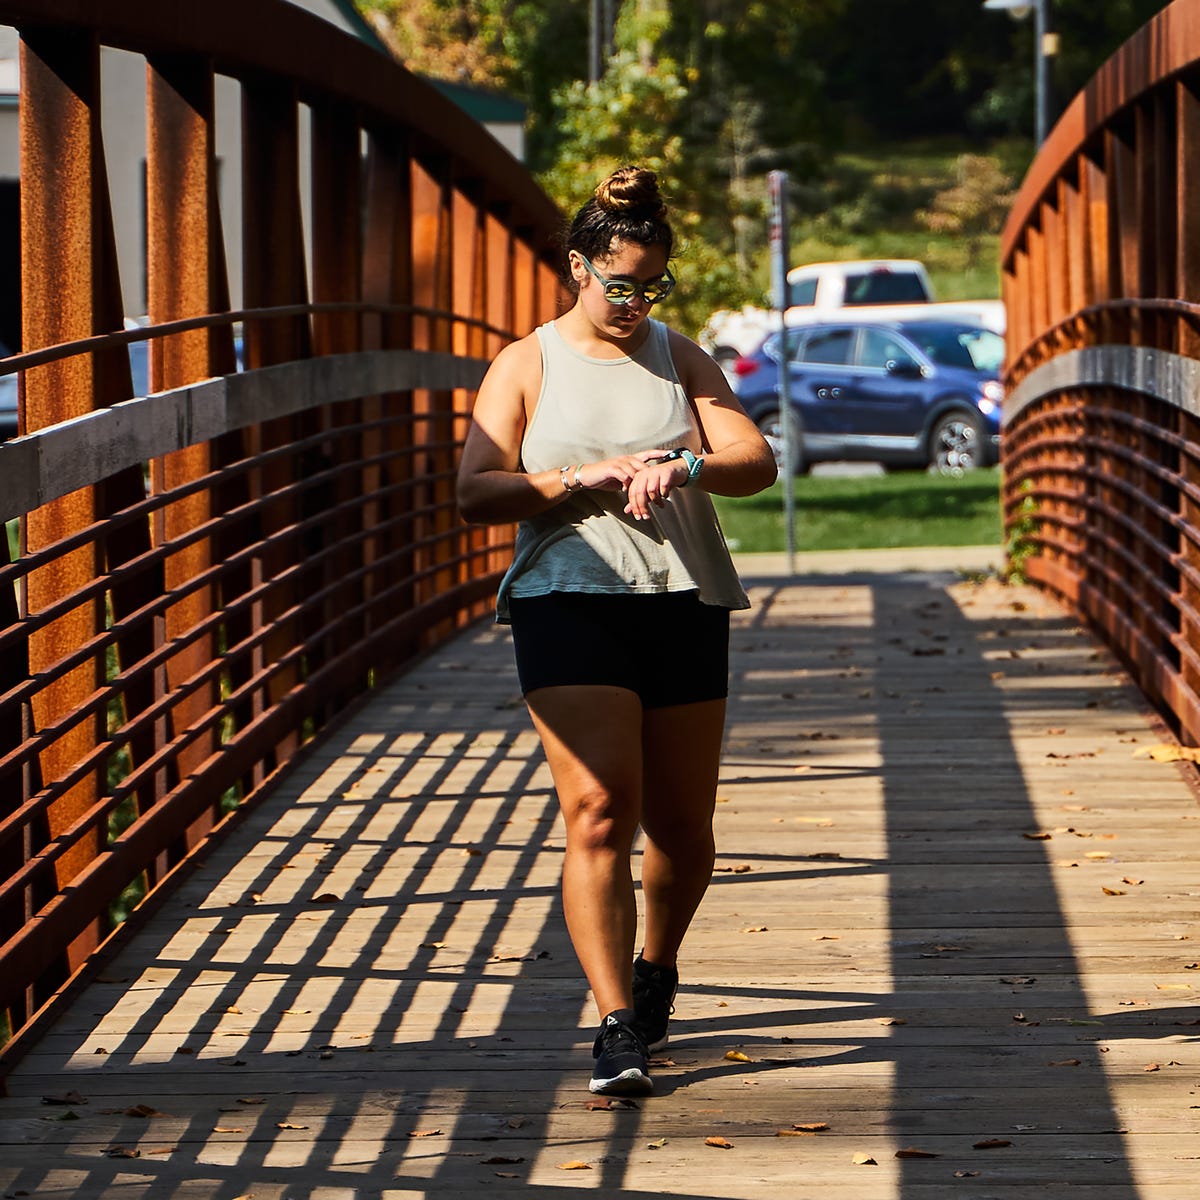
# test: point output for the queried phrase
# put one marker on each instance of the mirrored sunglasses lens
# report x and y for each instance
(619, 293)
(659, 290)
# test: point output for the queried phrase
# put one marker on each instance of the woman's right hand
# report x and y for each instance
(616, 474)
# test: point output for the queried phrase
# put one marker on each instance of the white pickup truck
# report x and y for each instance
(887, 288)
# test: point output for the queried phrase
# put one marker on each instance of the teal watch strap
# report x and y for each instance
(694, 463)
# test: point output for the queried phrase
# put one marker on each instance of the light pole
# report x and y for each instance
(1045, 47)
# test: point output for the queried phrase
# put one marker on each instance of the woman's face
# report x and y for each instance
(628, 262)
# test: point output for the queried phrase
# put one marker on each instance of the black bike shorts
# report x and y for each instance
(665, 646)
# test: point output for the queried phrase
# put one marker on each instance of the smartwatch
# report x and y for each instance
(693, 462)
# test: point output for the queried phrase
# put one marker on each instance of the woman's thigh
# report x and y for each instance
(592, 739)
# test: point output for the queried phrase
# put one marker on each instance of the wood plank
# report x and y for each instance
(379, 949)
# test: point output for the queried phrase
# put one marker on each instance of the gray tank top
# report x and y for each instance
(591, 409)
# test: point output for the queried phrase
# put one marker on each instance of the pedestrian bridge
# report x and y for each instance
(244, 677)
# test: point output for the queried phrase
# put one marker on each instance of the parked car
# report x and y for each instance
(892, 289)
(912, 393)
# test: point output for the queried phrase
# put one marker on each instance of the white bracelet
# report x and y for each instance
(578, 476)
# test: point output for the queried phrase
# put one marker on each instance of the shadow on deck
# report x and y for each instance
(952, 915)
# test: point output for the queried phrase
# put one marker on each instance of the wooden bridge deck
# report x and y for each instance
(952, 932)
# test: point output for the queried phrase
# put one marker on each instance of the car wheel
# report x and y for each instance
(955, 444)
(770, 425)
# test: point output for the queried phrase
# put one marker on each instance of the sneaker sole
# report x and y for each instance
(629, 1083)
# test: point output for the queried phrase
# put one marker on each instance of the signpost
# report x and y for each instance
(778, 238)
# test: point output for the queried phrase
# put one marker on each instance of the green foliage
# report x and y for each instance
(1023, 536)
(975, 206)
(714, 93)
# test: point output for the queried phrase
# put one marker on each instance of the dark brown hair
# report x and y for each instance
(625, 207)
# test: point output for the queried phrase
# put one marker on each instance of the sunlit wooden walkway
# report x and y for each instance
(950, 948)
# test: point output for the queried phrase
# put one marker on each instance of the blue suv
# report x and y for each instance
(912, 393)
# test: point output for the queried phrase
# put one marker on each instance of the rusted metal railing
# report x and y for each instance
(209, 574)
(1101, 447)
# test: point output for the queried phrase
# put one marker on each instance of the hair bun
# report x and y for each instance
(632, 191)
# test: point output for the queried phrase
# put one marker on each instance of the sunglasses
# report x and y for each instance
(621, 291)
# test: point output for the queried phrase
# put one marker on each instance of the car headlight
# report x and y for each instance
(993, 396)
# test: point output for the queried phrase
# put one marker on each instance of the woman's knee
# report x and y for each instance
(600, 820)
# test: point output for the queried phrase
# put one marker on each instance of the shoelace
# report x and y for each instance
(616, 1038)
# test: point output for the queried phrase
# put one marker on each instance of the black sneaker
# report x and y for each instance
(653, 1000)
(620, 1054)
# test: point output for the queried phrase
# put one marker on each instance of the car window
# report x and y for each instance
(803, 294)
(878, 347)
(884, 287)
(832, 346)
(965, 346)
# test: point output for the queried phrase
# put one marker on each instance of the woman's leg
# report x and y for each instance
(592, 739)
(681, 748)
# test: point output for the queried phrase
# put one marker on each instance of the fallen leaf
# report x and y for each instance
(1114, 891)
(657, 1144)
(1018, 979)
(1132, 882)
(1037, 837)
(863, 1160)
(472, 852)
(913, 1152)
(326, 898)
(891, 1021)
(1065, 1062)
(1098, 854)
(737, 1056)
(227, 1129)
(811, 1126)
(500, 1160)
(1152, 1067)
(505, 1175)
(121, 1152)
(718, 1143)
(1165, 753)
(574, 1165)
(289, 1125)
(755, 929)
(141, 1110)
(966, 1174)
(827, 937)
(992, 1144)
(251, 1100)
(65, 1098)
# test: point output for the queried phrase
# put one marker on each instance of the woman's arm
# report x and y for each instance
(737, 459)
(492, 488)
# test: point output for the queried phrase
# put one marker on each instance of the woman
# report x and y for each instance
(601, 433)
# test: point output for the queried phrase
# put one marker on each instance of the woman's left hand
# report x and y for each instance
(652, 486)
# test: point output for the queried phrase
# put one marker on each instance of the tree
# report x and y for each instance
(976, 205)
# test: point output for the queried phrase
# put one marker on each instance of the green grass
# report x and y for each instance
(862, 512)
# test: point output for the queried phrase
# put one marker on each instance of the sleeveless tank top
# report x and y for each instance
(590, 409)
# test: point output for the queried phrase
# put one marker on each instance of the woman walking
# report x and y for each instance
(602, 433)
